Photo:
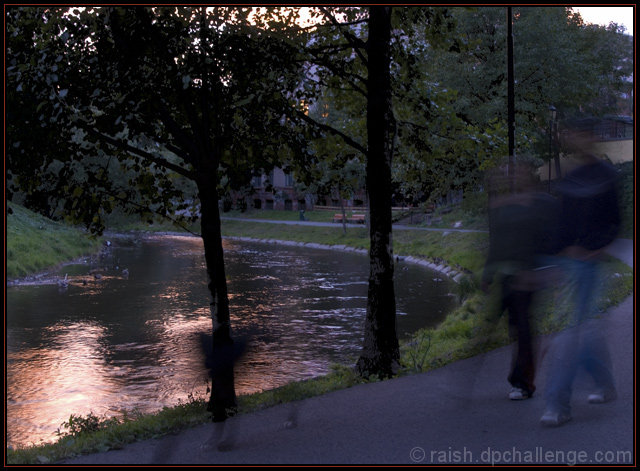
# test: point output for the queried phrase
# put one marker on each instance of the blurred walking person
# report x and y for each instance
(590, 220)
(522, 223)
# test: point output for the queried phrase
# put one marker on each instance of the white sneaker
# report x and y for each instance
(554, 419)
(518, 394)
(600, 397)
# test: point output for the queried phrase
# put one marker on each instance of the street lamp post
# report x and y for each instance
(552, 120)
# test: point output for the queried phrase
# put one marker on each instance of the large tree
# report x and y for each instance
(164, 91)
(380, 350)
(356, 56)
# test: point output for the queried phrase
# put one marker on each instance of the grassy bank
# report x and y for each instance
(464, 249)
(475, 327)
(35, 243)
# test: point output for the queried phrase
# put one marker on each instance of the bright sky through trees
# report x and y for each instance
(604, 15)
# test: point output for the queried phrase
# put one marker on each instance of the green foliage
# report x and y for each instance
(415, 351)
(559, 60)
(110, 106)
(478, 325)
(467, 285)
(78, 425)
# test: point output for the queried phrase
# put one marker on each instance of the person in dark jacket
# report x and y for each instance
(590, 220)
(522, 225)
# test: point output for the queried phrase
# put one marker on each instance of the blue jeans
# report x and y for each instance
(583, 343)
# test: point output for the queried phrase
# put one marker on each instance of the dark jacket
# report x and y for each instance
(521, 227)
(589, 206)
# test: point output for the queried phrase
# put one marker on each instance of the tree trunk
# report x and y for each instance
(380, 353)
(223, 396)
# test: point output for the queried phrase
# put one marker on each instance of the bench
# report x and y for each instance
(337, 218)
(357, 219)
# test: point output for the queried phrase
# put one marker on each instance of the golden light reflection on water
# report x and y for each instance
(46, 386)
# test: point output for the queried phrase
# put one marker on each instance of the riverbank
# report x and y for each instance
(35, 243)
(463, 252)
(437, 265)
(471, 329)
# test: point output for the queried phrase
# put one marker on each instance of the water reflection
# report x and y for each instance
(121, 343)
(41, 396)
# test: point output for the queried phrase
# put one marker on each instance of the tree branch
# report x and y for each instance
(355, 42)
(346, 76)
(329, 48)
(185, 140)
(133, 203)
(424, 128)
(142, 153)
(348, 140)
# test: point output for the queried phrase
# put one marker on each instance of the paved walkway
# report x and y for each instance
(456, 414)
(399, 227)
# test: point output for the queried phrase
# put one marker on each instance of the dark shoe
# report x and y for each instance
(554, 419)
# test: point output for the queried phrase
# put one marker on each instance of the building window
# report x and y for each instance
(288, 180)
(269, 204)
(257, 182)
(257, 204)
(288, 205)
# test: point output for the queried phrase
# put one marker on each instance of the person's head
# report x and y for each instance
(579, 135)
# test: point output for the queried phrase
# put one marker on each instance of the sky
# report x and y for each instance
(604, 15)
(623, 15)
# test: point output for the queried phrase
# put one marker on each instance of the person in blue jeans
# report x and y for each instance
(590, 221)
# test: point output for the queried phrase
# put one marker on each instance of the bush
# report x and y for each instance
(78, 425)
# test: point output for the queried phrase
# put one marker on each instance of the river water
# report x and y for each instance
(112, 340)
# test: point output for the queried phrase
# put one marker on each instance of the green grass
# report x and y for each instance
(478, 325)
(118, 221)
(282, 215)
(355, 237)
(323, 215)
(35, 243)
